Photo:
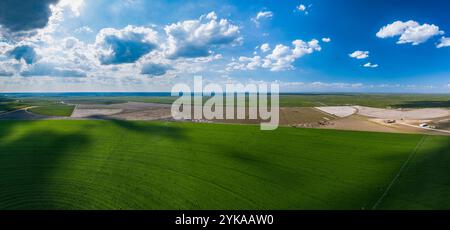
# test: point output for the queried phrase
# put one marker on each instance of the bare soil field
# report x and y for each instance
(291, 116)
(387, 120)
(442, 124)
(125, 111)
(407, 114)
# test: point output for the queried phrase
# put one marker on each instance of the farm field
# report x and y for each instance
(98, 164)
(53, 110)
(286, 100)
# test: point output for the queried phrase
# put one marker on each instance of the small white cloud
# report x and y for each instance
(301, 7)
(359, 54)
(409, 32)
(326, 40)
(262, 15)
(370, 65)
(444, 42)
(265, 47)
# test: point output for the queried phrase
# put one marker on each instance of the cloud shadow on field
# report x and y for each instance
(146, 127)
(28, 163)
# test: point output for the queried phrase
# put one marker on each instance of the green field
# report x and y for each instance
(286, 100)
(53, 110)
(158, 165)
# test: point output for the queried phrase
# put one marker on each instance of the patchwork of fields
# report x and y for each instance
(95, 164)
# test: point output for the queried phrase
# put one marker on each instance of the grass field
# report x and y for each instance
(53, 110)
(156, 165)
(290, 100)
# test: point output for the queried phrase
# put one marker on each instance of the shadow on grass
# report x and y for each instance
(146, 127)
(40, 165)
(27, 163)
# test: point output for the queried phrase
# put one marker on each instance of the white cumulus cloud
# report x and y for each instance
(197, 38)
(126, 45)
(281, 58)
(409, 32)
(444, 42)
(359, 54)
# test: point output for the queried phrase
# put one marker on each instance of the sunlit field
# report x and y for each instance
(164, 165)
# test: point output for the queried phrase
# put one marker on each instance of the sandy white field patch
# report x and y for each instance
(81, 113)
(410, 114)
(340, 111)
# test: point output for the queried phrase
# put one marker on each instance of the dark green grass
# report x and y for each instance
(53, 110)
(156, 165)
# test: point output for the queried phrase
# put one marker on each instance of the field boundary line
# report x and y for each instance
(402, 168)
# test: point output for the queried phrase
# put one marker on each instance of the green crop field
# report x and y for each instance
(163, 165)
(53, 110)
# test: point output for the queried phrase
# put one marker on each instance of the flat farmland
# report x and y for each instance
(94, 164)
(53, 110)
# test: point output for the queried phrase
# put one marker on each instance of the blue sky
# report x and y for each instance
(306, 46)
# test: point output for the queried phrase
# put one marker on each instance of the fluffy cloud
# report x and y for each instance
(23, 52)
(326, 40)
(444, 42)
(409, 32)
(154, 69)
(48, 69)
(126, 45)
(359, 54)
(280, 59)
(265, 47)
(25, 15)
(73, 5)
(197, 38)
(370, 65)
